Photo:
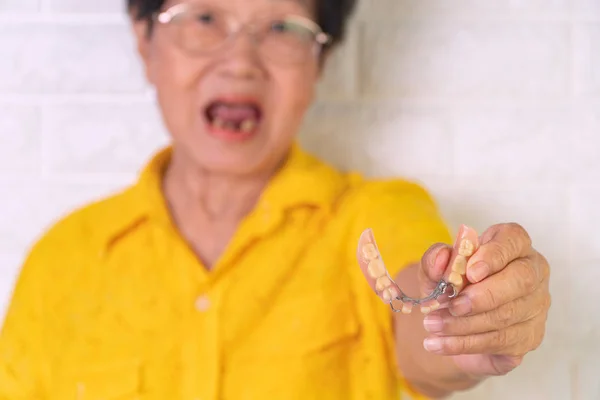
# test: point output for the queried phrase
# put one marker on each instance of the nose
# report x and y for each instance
(242, 59)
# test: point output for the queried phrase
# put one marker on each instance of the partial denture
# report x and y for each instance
(383, 284)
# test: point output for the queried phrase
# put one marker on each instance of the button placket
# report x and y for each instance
(205, 338)
(202, 303)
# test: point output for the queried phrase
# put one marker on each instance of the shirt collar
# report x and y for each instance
(302, 181)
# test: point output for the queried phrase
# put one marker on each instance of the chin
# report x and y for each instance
(235, 161)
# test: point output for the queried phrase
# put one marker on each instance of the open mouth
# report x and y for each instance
(235, 117)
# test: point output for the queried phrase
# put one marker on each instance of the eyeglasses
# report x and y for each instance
(202, 29)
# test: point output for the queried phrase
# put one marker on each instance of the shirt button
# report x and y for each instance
(202, 303)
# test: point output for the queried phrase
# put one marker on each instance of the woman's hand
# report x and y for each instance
(500, 314)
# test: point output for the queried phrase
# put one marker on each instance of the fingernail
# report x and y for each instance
(461, 306)
(441, 258)
(478, 272)
(432, 344)
(433, 323)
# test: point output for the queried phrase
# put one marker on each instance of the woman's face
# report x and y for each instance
(234, 109)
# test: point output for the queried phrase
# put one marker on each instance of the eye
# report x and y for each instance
(292, 29)
(280, 26)
(205, 18)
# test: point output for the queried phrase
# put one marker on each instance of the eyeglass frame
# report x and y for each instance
(167, 16)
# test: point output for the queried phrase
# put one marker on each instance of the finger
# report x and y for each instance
(520, 278)
(515, 340)
(515, 312)
(433, 265)
(488, 366)
(449, 265)
(500, 245)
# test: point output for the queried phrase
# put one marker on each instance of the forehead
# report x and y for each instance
(252, 7)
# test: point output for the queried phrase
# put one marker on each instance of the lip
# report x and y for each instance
(235, 98)
(227, 135)
(230, 136)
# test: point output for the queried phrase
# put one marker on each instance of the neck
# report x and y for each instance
(207, 207)
(212, 197)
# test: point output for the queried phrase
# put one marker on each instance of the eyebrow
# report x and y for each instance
(311, 6)
(301, 2)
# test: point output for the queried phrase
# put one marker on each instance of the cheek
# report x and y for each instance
(176, 82)
(169, 71)
(296, 89)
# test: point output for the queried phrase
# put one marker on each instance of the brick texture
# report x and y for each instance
(493, 105)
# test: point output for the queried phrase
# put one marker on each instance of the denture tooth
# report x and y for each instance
(369, 251)
(430, 306)
(387, 296)
(393, 289)
(248, 125)
(383, 283)
(376, 268)
(466, 248)
(407, 308)
(460, 265)
(455, 278)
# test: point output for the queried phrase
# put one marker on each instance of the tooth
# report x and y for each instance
(383, 283)
(248, 125)
(430, 307)
(460, 265)
(387, 295)
(466, 248)
(407, 308)
(369, 251)
(455, 278)
(376, 268)
(218, 123)
(394, 291)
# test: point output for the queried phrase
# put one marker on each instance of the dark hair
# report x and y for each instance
(332, 15)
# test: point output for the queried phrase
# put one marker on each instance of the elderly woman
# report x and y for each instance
(231, 269)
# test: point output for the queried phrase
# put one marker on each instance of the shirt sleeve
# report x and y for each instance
(405, 221)
(21, 336)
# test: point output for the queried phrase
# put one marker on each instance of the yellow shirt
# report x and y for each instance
(112, 304)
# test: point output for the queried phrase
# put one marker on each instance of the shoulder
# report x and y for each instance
(392, 195)
(82, 231)
(403, 215)
(67, 247)
(391, 198)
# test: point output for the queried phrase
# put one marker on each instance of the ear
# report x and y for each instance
(142, 34)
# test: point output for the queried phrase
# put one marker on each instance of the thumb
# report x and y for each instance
(446, 262)
(432, 267)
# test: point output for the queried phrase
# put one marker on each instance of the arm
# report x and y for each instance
(499, 315)
(21, 339)
(406, 223)
(429, 374)
(497, 319)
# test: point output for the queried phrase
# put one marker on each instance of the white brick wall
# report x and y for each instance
(448, 93)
